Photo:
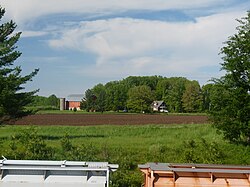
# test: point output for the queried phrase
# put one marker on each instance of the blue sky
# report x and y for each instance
(79, 43)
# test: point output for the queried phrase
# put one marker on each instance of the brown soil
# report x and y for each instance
(102, 119)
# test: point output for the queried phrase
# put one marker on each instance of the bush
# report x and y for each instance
(29, 145)
(202, 152)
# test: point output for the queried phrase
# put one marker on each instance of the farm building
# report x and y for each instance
(35, 173)
(71, 102)
(159, 106)
(195, 175)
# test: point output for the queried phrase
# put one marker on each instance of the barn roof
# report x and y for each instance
(75, 97)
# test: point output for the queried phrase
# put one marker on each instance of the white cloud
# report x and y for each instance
(33, 33)
(125, 45)
(25, 10)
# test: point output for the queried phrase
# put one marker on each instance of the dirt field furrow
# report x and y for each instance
(110, 119)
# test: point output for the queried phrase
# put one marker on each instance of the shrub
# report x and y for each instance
(202, 152)
(29, 145)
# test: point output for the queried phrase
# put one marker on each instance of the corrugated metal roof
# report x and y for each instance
(196, 168)
(45, 173)
(75, 97)
(193, 167)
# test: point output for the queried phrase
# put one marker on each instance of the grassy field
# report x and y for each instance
(127, 146)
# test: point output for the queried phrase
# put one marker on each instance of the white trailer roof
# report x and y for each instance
(35, 173)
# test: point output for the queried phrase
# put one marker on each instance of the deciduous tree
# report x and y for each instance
(100, 93)
(89, 101)
(140, 98)
(192, 98)
(230, 99)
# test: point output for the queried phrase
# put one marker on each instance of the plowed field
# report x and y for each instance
(108, 119)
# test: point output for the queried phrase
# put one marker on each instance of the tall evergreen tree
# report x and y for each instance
(12, 99)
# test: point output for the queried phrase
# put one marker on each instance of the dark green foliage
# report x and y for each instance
(66, 144)
(84, 152)
(29, 145)
(230, 112)
(175, 94)
(150, 81)
(202, 152)
(116, 96)
(12, 99)
(89, 102)
(53, 101)
(192, 97)
(126, 178)
(45, 103)
(180, 94)
(140, 98)
(230, 98)
(100, 93)
(206, 101)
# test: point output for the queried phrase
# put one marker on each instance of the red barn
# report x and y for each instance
(73, 101)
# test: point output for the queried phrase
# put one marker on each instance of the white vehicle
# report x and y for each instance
(164, 110)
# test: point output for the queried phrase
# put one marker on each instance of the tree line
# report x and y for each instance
(136, 94)
(51, 102)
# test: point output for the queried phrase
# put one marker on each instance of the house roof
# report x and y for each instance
(75, 97)
(157, 104)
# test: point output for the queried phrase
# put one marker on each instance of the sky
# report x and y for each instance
(77, 44)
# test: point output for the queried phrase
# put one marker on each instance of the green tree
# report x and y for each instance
(100, 93)
(140, 98)
(192, 98)
(206, 101)
(116, 95)
(53, 101)
(12, 99)
(174, 93)
(230, 99)
(39, 101)
(89, 102)
(162, 88)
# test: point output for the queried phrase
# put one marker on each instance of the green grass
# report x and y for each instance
(127, 146)
(134, 138)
